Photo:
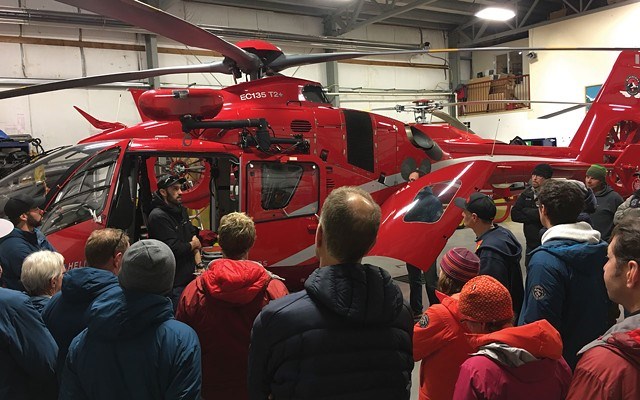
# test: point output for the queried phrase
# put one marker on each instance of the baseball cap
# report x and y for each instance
(479, 204)
(168, 180)
(20, 204)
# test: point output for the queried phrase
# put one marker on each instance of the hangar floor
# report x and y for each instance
(461, 238)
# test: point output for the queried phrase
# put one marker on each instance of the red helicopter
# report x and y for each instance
(274, 147)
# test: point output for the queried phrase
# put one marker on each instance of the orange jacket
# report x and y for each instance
(439, 340)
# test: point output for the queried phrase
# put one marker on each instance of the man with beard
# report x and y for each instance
(25, 214)
(169, 223)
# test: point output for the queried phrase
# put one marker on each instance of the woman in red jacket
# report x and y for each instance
(438, 337)
(523, 362)
(221, 305)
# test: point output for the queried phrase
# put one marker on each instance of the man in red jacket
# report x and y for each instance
(523, 362)
(610, 366)
(221, 306)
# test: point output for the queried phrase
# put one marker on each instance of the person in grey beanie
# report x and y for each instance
(143, 352)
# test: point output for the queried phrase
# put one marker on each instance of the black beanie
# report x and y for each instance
(543, 170)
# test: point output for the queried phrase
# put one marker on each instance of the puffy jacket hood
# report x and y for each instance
(579, 232)
(234, 281)
(502, 241)
(539, 338)
(81, 285)
(361, 293)
(120, 314)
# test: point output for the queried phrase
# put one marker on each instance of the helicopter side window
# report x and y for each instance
(278, 190)
(84, 196)
(431, 201)
(314, 94)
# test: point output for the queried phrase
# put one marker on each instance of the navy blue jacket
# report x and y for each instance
(14, 248)
(565, 286)
(27, 350)
(133, 348)
(67, 313)
(346, 336)
(500, 252)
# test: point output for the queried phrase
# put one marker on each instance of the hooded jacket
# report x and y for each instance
(608, 203)
(14, 248)
(133, 349)
(565, 286)
(67, 313)
(439, 340)
(27, 350)
(170, 224)
(523, 362)
(610, 366)
(499, 252)
(631, 206)
(221, 305)
(346, 336)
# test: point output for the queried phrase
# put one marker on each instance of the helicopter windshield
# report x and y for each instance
(35, 180)
(314, 94)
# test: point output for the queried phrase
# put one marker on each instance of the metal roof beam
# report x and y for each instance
(395, 11)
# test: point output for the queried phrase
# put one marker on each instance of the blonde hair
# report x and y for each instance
(38, 269)
(236, 234)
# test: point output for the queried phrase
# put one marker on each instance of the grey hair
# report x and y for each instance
(38, 269)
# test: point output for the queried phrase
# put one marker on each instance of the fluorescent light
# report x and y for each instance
(496, 14)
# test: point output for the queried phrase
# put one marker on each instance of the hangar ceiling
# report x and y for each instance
(454, 16)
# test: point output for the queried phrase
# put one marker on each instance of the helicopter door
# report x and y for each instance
(418, 219)
(83, 203)
(360, 147)
(283, 199)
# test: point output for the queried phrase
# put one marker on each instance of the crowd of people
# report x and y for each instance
(134, 324)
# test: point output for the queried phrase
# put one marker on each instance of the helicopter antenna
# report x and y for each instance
(495, 137)
(118, 108)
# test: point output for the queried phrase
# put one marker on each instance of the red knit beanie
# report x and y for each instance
(460, 264)
(484, 299)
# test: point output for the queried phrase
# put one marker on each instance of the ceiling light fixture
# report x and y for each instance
(496, 14)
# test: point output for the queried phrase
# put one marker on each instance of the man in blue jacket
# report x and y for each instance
(27, 350)
(25, 214)
(498, 249)
(565, 283)
(67, 313)
(348, 334)
(133, 348)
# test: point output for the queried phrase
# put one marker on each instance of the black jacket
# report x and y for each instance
(171, 225)
(346, 336)
(526, 212)
(499, 253)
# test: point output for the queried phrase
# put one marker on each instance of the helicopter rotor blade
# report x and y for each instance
(110, 78)
(164, 24)
(454, 122)
(566, 110)
(284, 61)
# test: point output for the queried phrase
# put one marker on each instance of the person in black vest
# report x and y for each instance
(526, 211)
(169, 223)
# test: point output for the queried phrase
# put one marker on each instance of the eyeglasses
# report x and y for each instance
(115, 246)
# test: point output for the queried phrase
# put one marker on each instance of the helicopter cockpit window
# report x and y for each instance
(277, 190)
(37, 178)
(314, 94)
(84, 196)
(431, 201)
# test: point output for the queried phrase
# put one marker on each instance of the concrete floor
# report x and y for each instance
(461, 238)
